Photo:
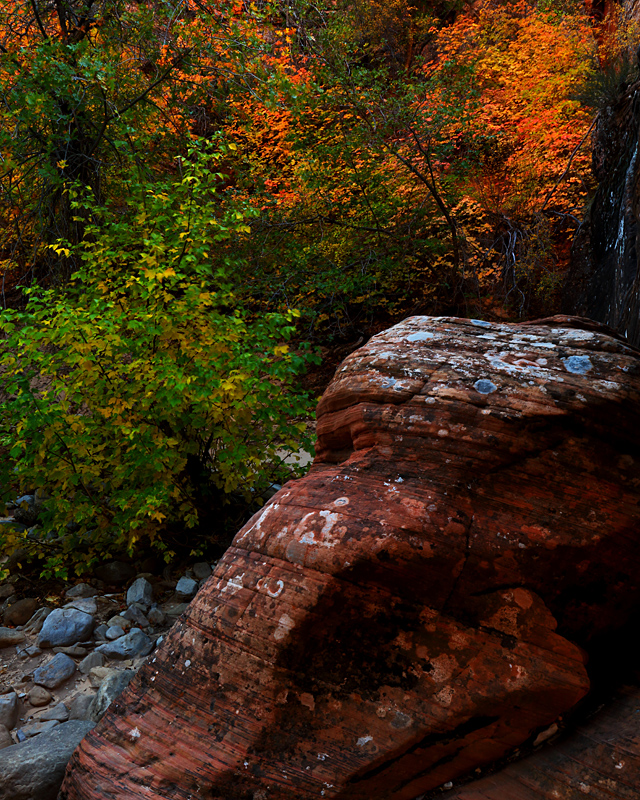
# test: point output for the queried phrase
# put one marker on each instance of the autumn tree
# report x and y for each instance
(529, 142)
(93, 88)
(140, 397)
(443, 175)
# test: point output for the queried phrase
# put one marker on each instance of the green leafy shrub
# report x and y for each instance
(140, 396)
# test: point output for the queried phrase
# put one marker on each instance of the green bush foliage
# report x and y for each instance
(140, 395)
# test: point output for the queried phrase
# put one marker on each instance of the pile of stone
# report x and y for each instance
(60, 668)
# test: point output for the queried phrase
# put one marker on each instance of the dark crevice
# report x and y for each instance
(432, 739)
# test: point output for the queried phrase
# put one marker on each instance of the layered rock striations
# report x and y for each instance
(601, 759)
(424, 600)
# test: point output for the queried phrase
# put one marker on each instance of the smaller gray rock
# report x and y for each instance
(92, 660)
(201, 570)
(32, 651)
(100, 631)
(5, 737)
(118, 619)
(39, 696)
(133, 614)
(186, 588)
(55, 671)
(114, 632)
(80, 705)
(86, 604)
(9, 710)
(65, 626)
(140, 591)
(109, 690)
(59, 713)
(34, 625)
(36, 728)
(135, 643)
(9, 636)
(74, 650)
(155, 615)
(98, 674)
(81, 590)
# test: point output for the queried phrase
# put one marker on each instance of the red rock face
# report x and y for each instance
(421, 602)
(601, 759)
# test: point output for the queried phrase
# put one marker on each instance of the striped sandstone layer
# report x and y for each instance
(421, 602)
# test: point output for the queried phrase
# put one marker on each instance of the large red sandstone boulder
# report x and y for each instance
(422, 602)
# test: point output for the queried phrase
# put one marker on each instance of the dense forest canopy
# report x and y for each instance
(191, 190)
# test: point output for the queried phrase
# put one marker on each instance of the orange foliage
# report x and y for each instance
(478, 145)
(525, 65)
(525, 139)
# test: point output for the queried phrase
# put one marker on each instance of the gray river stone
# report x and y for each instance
(109, 689)
(33, 770)
(92, 660)
(135, 615)
(59, 712)
(9, 636)
(201, 570)
(140, 591)
(39, 727)
(37, 621)
(79, 708)
(55, 672)
(81, 590)
(65, 626)
(9, 710)
(114, 632)
(135, 643)
(86, 604)
(186, 587)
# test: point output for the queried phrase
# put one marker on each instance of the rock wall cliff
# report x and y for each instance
(604, 282)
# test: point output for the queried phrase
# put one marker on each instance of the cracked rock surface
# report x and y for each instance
(423, 601)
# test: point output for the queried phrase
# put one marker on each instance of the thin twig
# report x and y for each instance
(571, 157)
